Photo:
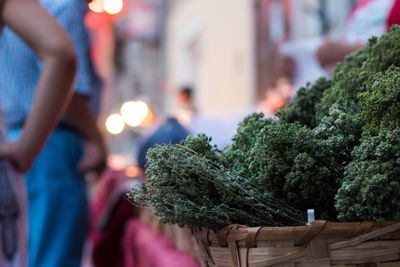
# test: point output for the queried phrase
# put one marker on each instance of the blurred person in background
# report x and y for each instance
(186, 108)
(33, 24)
(316, 57)
(368, 18)
(169, 132)
(185, 98)
(58, 208)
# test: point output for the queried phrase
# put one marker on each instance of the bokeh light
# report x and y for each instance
(116, 162)
(149, 120)
(132, 171)
(134, 112)
(115, 124)
(113, 7)
(96, 6)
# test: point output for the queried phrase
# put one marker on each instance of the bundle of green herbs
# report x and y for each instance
(188, 185)
(335, 148)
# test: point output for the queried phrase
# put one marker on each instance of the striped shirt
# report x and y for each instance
(20, 68)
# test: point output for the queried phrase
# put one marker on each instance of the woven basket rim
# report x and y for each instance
(300, 234)
(335, 243)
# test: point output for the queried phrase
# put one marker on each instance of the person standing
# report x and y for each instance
(58, 208)
(53, 90)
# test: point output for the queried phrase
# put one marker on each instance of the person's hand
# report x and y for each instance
(330, 53)
(94, 159)
(18, 155)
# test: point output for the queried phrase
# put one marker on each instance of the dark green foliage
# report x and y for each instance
(289, 161)
(380, 104)
(371, 189)
(236, 156)
(341, 131)
(247, 131)
(302, 108)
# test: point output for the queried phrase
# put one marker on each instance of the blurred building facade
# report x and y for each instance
(210, 46)
(226, 50)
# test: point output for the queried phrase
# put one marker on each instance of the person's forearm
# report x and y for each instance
(52, 96)
(80, 114)
(331, 53)
(344, 51)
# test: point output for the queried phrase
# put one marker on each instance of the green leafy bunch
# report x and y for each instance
(363, 97)
(371, 188)
(187, 188)
(369, 184)
(179, 183)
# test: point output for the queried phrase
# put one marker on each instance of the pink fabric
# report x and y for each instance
(394, 16)
(145, 248)
(108, 183)
(110, 212)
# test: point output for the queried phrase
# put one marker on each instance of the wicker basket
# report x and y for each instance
(318, 244)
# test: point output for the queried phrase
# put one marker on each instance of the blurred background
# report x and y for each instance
(207, 63)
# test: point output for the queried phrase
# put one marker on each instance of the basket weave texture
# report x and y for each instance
(319, 244)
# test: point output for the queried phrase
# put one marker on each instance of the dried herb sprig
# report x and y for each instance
(187, 188)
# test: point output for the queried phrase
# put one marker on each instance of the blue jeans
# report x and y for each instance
(58, 207)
